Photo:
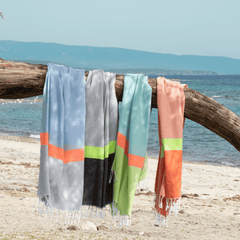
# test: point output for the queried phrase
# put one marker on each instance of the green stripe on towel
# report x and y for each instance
(98, 152)
(172, 143)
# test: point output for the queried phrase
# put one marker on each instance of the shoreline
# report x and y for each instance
(19, 100)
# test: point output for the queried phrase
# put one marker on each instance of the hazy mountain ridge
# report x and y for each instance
(117, 59)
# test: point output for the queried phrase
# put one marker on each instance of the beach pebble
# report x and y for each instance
(140, 233)
(181, 211)
(136, 211)
(72, 228)
(89, 226)
(101, 227)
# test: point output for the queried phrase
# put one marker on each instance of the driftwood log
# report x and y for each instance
(23, 80)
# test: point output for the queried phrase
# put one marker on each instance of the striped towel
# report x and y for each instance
(60, 183)
(130, 163)
(100, 140)
(171, 103)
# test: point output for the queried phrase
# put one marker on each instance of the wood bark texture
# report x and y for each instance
(23, 80)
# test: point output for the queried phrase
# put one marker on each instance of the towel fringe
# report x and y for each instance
(160, 220)
(122, 218)
(173, 204)
(70, 216)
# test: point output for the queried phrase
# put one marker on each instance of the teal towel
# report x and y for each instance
(130, 162)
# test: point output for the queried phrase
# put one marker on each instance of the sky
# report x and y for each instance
(181, 27)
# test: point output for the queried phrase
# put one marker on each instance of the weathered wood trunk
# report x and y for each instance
(22, 80)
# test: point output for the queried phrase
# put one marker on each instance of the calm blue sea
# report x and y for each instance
(199, 143)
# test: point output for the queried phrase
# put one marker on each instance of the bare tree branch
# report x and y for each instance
(22, 80)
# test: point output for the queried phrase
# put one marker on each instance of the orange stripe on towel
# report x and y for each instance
(169, 174)
(135, 161)
(55, 152)
(73, 155)
(67, 156)
(123, 143)
(121, 140)
(44, 138)
(126, 149)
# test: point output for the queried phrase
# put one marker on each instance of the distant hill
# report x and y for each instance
(117, 59)
(154, 71)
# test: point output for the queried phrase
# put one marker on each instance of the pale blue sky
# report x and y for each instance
(192, 27)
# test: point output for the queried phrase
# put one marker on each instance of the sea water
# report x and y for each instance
(199, 143)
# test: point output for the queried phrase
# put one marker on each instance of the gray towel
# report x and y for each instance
(100, 139)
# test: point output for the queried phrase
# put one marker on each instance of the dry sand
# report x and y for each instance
(210, 205)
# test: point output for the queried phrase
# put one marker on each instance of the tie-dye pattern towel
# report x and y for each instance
(60, 183)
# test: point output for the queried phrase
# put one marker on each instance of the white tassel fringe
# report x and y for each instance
(172, 204)
(74, 216)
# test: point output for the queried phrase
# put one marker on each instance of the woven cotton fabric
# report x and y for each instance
(62, 136)
(100, 139)
(171, 103)
(130, 163)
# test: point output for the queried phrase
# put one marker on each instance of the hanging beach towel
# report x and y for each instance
(60, 183)
(100, 140)
(130, 163)
(171, 103)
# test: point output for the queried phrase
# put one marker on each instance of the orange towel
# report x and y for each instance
(171, 102)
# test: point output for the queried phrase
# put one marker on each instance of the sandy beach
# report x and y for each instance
(210, 204)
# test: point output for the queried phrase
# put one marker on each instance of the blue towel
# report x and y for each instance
(61, 175)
